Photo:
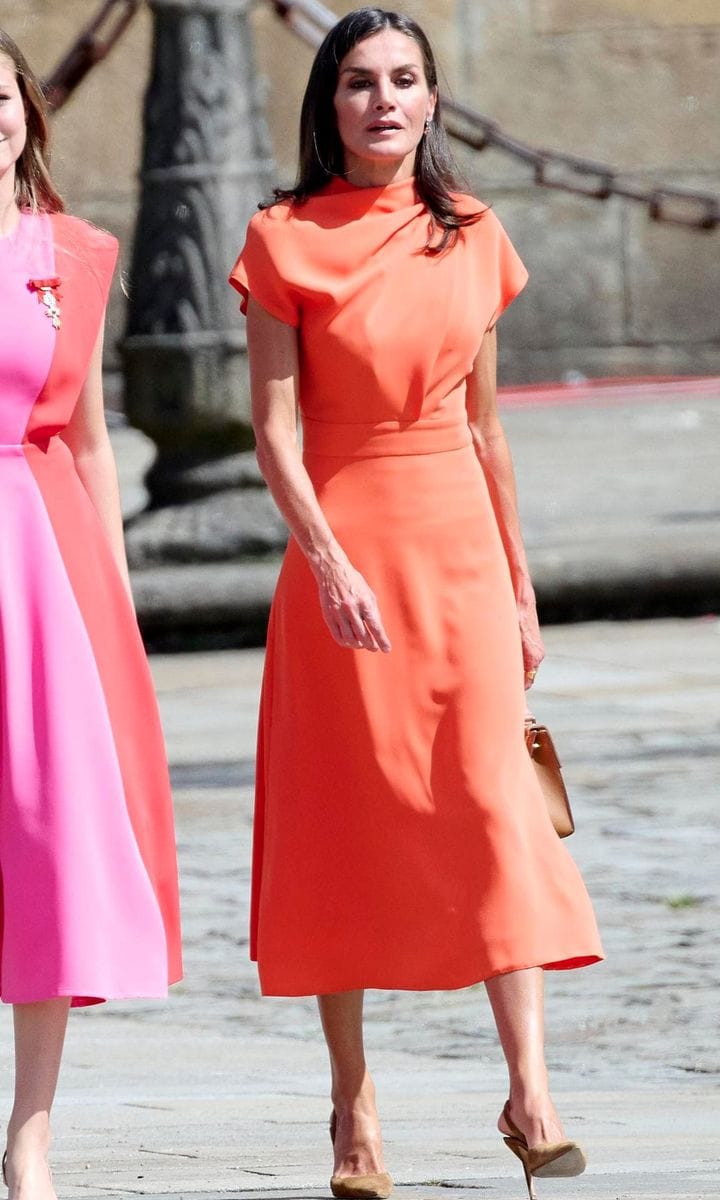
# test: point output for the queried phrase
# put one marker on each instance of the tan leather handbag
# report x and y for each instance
(547, 768)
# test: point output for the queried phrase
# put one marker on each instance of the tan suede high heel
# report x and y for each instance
(358, 1187)
(549, 1159)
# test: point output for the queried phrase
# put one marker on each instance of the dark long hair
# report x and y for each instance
(34, 188)
(322, 154)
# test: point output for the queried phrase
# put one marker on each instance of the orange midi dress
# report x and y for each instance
(401, 839)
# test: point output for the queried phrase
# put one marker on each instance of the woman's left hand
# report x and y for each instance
(532, 645)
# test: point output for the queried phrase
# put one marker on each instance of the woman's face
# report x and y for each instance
(382, 102)
(13, 122)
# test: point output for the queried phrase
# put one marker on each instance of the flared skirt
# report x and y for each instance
(401, 838)
(89, 900)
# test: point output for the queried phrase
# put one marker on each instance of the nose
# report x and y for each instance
(384, 98)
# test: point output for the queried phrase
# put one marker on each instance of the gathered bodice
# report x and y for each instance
(386, 331)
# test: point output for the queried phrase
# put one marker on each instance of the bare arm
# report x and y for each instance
(87, 438)
(494, 454)
(348, 604)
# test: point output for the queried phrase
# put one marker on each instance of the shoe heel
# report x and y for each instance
(520, 1152)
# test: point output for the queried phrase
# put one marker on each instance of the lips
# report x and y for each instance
(384, 126)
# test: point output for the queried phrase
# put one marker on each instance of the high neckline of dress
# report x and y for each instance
(386, 197)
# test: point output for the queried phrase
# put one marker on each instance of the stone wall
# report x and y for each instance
(634, 83)
(97, 136)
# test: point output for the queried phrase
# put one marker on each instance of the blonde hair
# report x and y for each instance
(34, 188)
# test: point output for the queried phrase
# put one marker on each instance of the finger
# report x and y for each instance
(364, 615)
(375, 626)
(531, 658)
(361, 635)
(354, 633)
(336, 630)
(333, 620)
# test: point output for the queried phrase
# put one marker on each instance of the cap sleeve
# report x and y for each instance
(509, 270)
(258, 271)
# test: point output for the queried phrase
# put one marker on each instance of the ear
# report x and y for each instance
(432, 102)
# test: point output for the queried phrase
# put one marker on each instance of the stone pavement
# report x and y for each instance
(619, 498)
(218, 1094)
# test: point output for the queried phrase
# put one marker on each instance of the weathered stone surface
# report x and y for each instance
(225, 525)
(673, 283)
(219, 1094)
(524, 365)
(641, 96)
(569, 16)
(572, 251)
(228, 601)
(188, 481)
(97, 135)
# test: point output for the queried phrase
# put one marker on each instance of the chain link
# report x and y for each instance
(89, 48)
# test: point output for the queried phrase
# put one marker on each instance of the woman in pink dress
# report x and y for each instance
(88, 873)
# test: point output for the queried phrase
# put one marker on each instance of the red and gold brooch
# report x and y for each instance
(48, 294)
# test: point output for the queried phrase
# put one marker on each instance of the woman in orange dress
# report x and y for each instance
(401, 839)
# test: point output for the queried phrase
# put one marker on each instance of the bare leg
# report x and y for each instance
(358, 1142)
(517, 1004)
(39, 1037)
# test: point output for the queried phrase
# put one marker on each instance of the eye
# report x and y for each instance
(356, 84)
(405, 81)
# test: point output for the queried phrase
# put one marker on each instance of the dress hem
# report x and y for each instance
(85, 997)
(569, 963)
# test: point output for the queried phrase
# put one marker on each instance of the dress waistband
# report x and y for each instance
(428, 435)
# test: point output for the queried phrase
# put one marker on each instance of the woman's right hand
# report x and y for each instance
(348, 604)
(350, 608)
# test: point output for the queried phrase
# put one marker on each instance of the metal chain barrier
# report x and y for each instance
(90, 47)
(311, 20)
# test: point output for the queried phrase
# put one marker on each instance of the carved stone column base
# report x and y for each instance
(233, 524)
(186, 477)
(210, 607)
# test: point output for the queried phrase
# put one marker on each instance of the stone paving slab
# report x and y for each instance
(218, 1093)
(438, 1141)
(616, 1187)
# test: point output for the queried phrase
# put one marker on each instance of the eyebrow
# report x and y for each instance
(369, 70)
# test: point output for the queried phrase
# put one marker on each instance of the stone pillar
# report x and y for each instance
(206, 163)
